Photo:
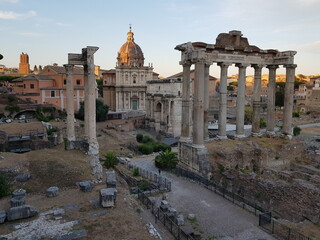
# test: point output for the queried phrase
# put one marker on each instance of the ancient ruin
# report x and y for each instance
(230, 48)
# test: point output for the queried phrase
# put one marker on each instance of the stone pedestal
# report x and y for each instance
(108, 197)
(111, 179)
(21, 212)
(194, 158)
(86, 186)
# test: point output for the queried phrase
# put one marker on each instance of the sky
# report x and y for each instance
(49, 30)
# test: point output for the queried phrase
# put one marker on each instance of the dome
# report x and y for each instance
(130, 54)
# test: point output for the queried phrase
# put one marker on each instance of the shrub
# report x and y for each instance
(296, 131)
(110, 160)
(263, 123)
(146, 148)
(139, 137)
(52, 130)
(158, 147)
(295, 114)
(146, 139)
(136, 172)
(166, 160)
(4, 186)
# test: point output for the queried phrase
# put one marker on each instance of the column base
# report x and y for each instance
(256, 134)
(185, 139)
(239, 136)
(286, 136)
(93, 148)
(206, 139)
(270, 133)
(222, 137)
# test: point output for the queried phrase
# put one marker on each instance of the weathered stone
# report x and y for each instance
(19, 193)
(164, 206)
(3, 216)
(52, 192)
(86, 186)
(108, 197)
(59, 212)
(191, 216)
(23, 177)
(17, 201)
(21, 212)
(180, 220)
(152, 200)
(172, 213)
(111, 179)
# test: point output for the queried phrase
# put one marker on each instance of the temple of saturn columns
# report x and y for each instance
(87, 61)
(230, 48)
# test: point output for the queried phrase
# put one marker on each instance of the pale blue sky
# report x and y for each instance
(49, 30)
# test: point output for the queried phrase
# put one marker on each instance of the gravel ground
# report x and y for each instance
(215, 216)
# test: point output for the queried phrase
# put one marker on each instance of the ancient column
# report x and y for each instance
(271, 99)
(91, 110)
(185, 116)
(241, 100)
(206, 101)
(198, 105)
(86, 101)
(288, 99)
(222, 118)
(70, 103)
(256, 99)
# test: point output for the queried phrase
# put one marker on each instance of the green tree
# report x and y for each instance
(101, 111)
(166, 160)
(248, 111)
(100, 86)
(296, 131)
(4, 186)
(1, 57)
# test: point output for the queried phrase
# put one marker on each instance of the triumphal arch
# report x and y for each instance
(230, 48)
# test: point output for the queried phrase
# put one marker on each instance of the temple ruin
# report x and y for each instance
(230, 48)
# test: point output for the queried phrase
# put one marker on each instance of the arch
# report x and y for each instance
(29, 113)
(158, 107)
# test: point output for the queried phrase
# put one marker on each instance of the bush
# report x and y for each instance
(136, 172)
(263, 123)
(158, 147)
(110, 160)
(146, 139)
(295, 114)
(4, 186)
(166, 160)
(146, 148)
(296, 131)
(139, 137)
(52, 130)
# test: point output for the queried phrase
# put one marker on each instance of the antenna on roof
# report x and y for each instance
(130, 27)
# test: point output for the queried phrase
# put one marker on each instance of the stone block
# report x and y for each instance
(191, 216)
(23, 177)
(58, 212)
(19, 193)
(108, 197)
(111, 179)
(180, 220)
(17, 201)
(152, 200)
(52, 192)
(164, 206)
(172, 212)
(86, 186)
(21, 212)
(3, 216)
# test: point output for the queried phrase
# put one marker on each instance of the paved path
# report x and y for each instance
(216, 217)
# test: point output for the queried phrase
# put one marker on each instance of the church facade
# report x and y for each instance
(124, 88)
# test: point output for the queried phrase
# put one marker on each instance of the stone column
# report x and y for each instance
(256, 99)
(222, 118)
(288, 99)
(185, 116)
(70, 103)
(198, 105)
(206, 101)
(86, 101)
(241, 100)
(91, 110)
(271, 99)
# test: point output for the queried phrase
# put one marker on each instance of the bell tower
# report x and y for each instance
(24, 66)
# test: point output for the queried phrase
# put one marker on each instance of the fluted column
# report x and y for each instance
(198, 106)
(271, 98)
(70, 103)
(241, 100)
(222, 124)
(185, 116)
(206, 101)
(91, 110)
(256, 99)
(288, 99)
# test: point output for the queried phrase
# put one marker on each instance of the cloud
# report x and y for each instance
(63, 24)
(9, 1)
(16, 16)
(31, 34)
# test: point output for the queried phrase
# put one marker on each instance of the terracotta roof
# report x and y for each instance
(109, 71)
(33, 77)
(62, 70)
(180, 74)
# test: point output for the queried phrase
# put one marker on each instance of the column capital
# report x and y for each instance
(185, 63)
(272, 67)
(258, 66)
(224, 65)
(290, 65)
(242, 65)
(68, 67)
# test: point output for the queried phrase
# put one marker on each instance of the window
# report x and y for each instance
(53, 94)
(32, 86)
(24, 86)
(78, 82)
(64, 82)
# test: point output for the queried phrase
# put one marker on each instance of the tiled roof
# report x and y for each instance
(32, 78)
(62, 70)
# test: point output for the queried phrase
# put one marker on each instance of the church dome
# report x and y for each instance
(130, 54)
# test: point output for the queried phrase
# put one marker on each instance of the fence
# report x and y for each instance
(279, 229)
(161, 216)
(265, 219)
(162, 182)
